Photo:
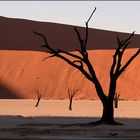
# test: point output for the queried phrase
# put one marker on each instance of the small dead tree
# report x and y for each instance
(84, 65)
(71, 94)
(116, 99)
(38, 98)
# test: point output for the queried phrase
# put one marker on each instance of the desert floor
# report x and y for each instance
(20, 119)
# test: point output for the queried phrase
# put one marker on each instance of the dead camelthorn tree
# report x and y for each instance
(116, 99)
(38, 98)
(71, 94)
(83, 64)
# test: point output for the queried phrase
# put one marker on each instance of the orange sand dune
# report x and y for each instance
(23, 73)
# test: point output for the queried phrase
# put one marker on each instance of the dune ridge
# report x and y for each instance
(23, 72)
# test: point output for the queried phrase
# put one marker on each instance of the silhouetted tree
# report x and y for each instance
(71, 94)
(38, 98)
(116, 99)
(83, 60)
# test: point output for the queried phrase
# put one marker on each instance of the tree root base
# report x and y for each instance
(100, 122)
(91, 124)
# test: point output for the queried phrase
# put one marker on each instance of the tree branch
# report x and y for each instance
(57, 54)
(45, 40)
(123, 45)
(128, 62)
(126, 40)
(56, 51)
(117, 58)
(71, 93)
(113, 65)
(72, 55)
(116, 68)
(91, 15)
(79, 37)
(81, 64)
(86, 39)
(84, 53)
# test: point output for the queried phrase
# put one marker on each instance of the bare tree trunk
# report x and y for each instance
(107, 102)
(116, 103)
(108, 113)
(70, 104)
(108, 108)
(71, 94)
(38, 100)
(116, 100)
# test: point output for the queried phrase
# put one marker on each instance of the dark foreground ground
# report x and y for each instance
(65, 128)
(51, 120)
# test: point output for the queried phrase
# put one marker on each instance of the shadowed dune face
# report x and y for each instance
(17, 34)
(6, 92)
(23, 70)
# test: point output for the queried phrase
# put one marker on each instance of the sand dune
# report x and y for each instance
(17, 34)
(23, 72)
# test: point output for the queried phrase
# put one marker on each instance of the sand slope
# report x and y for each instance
(23, 72)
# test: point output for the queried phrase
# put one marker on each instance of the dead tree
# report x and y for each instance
(71, 94)
(38, 98)
(81, 61)
(116, 99)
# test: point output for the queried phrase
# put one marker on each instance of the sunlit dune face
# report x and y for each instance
(24, 73)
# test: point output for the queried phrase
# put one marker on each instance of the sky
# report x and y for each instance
(120, 16)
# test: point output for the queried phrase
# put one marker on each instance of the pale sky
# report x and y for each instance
(121, 16)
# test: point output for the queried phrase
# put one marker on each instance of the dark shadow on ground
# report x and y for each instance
(20, 127)
(60, 127)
